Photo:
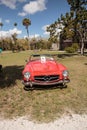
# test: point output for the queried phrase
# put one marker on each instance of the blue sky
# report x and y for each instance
(40, 12)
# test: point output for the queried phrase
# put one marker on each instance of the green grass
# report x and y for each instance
(42, 104)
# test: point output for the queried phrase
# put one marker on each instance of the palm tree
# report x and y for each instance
(14, 39)
(15, 34)
(1, 24)
(15, 24)
(26, 22)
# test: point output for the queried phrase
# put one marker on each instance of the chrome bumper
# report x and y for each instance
(28, 83)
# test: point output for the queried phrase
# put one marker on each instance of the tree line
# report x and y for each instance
(17, 44)
(73, 26)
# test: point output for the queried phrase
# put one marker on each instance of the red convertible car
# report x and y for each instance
(44, 70)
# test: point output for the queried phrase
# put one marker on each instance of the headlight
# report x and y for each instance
(65, 73)
(27, 75)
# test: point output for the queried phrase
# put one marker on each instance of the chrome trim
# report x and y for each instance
(46, 83)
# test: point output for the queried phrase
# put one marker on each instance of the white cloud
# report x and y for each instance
(33, 7)
(7, 21)
(10, 32)
(34, 36)
(44, 29)
(15, 30)
(22, 14)
(37, 36)
(11, 3)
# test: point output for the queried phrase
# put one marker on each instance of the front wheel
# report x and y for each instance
(63, 85)
(27, 88)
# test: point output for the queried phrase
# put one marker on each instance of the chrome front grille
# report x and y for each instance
(46, 78)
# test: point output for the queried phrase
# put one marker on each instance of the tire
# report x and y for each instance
(27, 88)
(63, 86)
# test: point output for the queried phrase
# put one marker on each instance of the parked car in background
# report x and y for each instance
(44, 70)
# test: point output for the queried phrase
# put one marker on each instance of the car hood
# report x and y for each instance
(49, 67)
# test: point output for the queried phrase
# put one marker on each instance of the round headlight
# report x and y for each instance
(65, 73)
(27, 75)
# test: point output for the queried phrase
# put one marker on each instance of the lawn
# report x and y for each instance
(44, 104)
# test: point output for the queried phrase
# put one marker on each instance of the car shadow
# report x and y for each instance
(66, 55)
(9, 75)
(46, 87)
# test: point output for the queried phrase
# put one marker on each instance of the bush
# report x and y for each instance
(72, 49)
(75, 46)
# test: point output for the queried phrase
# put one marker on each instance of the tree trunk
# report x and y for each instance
(82, 47)
(28, 38)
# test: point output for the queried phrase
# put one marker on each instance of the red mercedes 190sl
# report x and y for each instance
(44, 70)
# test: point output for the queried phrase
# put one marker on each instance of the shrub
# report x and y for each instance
(72, 49)
(75, 46)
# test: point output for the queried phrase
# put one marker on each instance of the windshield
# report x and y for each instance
(42, 57)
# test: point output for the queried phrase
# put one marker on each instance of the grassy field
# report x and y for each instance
(44, 104)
